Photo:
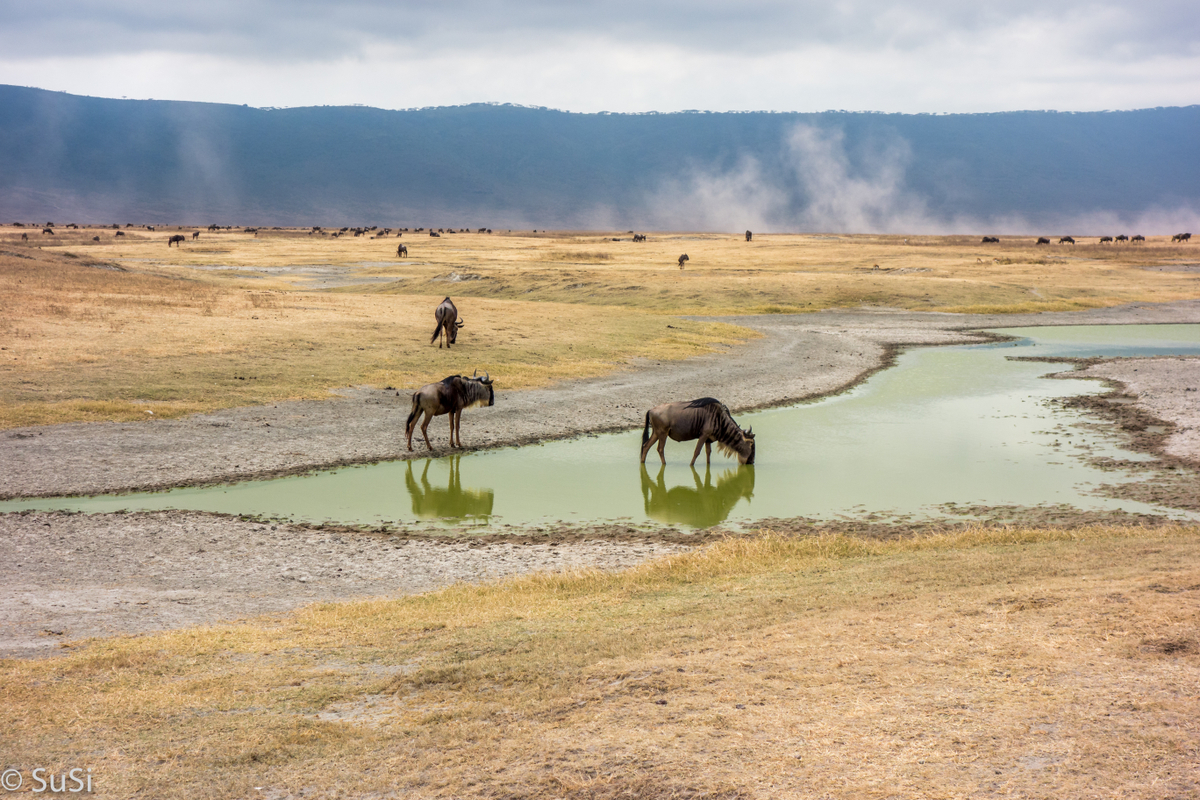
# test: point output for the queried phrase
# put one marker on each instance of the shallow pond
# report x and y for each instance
(950, 425)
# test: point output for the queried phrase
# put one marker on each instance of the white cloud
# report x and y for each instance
(617, 56)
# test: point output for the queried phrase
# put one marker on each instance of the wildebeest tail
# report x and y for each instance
(646, 430)
(412, 415)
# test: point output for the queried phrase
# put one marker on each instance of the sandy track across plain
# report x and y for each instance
(72, 576)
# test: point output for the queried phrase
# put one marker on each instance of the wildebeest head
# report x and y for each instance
(744, 451)
(482, 399)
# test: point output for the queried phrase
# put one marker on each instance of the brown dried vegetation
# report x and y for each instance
(990, 662)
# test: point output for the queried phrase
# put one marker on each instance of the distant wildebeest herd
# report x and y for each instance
(1179, 237)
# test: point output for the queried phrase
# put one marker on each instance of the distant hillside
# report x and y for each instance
(84, 159)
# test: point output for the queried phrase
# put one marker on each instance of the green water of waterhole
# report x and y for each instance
(960, 425)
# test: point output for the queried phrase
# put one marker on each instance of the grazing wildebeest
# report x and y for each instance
(25, 236)
(119, 233)
(1066, 240)
(1181, 237)
(1104, 239)
(1122, 238)
(195, 235)
(448, 323)
(448, 396)
(48, 230)
(749, 236)
(986, 240)
(402, 251)
(176, 239)
(682, 259)
(214, 227)
(95, 238)
(1043, 240)
(639, 237)
(707, 420)
(1138, 238)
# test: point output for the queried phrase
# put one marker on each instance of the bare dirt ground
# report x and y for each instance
(71, 576)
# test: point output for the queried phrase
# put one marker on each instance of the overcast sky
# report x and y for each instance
(649, 55)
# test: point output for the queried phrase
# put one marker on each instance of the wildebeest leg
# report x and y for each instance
(657, 436)
(696, 454)
(412, 426)
(708, 453)
(425, 429)
(662, 446)
(455, 421)
(661, 438)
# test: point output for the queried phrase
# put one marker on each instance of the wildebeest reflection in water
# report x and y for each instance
(702, 505)
(434, 502)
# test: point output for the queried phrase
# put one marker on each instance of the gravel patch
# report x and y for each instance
(73, 576)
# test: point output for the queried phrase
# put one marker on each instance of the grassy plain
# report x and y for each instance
(1016, 662)
(1027, 663)
(234, 318)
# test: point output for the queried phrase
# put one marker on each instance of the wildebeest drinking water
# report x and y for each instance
(448, 323)
(448, 396)
(707, 420)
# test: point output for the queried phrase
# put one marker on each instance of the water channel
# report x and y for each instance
(946, 425)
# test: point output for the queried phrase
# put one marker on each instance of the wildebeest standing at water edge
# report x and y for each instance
(706, 419)
(448, 396)
(447, 322)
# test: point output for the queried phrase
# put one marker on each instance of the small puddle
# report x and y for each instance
(954, 425)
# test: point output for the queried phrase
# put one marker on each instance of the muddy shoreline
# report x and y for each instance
(72, 576)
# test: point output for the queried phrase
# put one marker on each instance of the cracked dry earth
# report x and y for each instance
(67, 577)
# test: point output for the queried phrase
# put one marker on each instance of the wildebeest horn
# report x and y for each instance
(486, 378)
(460, 323)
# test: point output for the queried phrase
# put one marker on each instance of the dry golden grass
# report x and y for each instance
(725, 273)
(234, 319)
(1031, 663)
(85, 343)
